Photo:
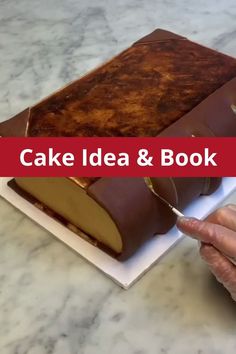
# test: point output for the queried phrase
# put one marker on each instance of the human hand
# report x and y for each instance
(217, 234)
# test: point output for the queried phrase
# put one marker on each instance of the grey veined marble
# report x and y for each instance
(51, 300)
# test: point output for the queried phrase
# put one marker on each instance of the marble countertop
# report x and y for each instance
(51, 300)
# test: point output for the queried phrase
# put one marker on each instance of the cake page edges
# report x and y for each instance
(94, 213)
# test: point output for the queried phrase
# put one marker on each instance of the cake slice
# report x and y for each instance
(163, 85)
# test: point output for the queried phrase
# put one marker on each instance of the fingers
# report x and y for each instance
(221, 267)
(219, 236)
(225, 216)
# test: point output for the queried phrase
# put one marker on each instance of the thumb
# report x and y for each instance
(188, 225)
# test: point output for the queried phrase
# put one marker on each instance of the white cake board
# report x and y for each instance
(126, 273)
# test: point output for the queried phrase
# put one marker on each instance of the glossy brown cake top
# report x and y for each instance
(138, 93)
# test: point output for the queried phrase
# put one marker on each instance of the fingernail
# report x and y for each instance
(182, 220)
(186, 224)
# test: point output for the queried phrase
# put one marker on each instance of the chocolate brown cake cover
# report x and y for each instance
(163, 85)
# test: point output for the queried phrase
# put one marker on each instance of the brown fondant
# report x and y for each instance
(16, 126)
(165, 87)
(158, 35)
(137, 212)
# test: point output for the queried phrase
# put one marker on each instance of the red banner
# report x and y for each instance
(117, 157)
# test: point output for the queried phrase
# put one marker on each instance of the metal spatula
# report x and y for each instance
(149, 184)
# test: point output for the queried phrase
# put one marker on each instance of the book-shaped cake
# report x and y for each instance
(163, 85)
